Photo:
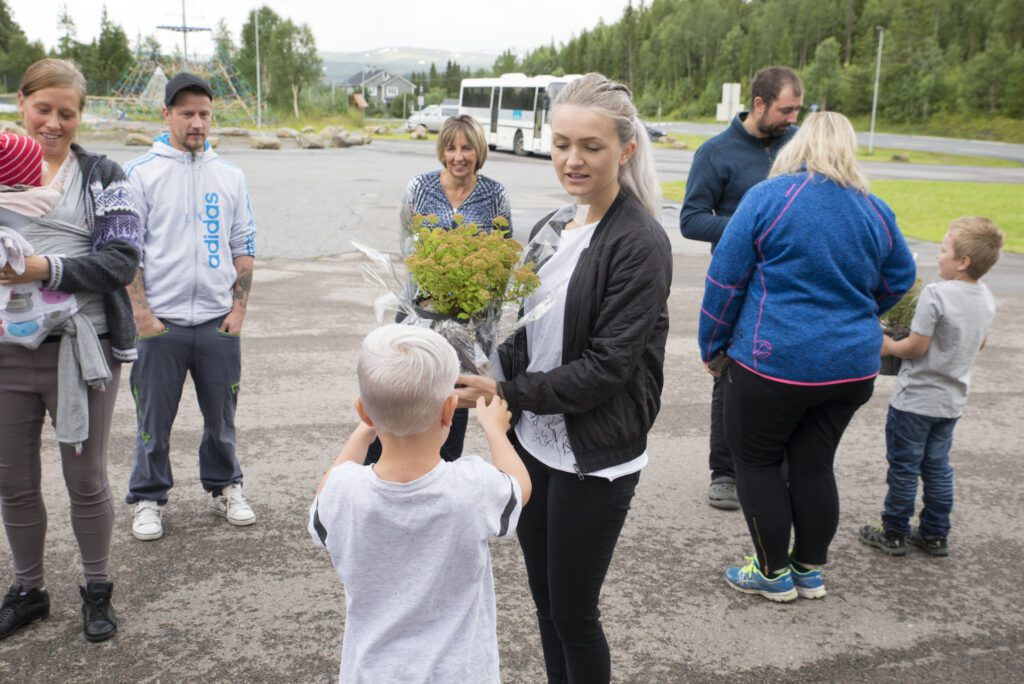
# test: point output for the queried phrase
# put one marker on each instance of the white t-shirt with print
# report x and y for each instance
(414, 559)
(546, 436)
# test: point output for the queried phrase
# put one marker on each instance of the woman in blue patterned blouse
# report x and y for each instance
(458, 188)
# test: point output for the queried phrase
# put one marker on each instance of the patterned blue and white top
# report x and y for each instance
(425, 195)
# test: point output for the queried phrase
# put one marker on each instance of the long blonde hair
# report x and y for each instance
(826, 144)
(614, 100)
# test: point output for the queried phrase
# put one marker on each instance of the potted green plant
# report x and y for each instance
(465, 276)
(896, 324)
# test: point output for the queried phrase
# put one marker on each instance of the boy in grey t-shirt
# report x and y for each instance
(408, 535)
(950, 326)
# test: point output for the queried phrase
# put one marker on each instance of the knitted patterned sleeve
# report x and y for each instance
(116, 239)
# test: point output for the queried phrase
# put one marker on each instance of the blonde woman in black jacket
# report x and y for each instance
(584, 380)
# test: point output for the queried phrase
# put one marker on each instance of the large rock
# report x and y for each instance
(680, 145)
(234, 132)
(419, 133)
(308, 129)
(131, 127)
(287, 133)
(264, 142)
(213, 140)
(310, 141)
(357, 138)
(900, 158)
(328, 133)
(138, 139)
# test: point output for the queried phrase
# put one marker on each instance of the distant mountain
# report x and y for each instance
(400, 60)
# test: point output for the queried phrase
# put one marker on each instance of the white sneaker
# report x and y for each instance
(147, 524)
(232, 505)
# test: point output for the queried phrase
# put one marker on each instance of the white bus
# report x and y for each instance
(513, 109)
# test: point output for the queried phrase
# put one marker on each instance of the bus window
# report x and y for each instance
(476, 97)
(518, 98)
(554, 90)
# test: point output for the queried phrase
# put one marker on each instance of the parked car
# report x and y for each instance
(655, 134)
(432, 117)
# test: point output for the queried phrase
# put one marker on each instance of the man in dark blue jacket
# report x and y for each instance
(723, 169)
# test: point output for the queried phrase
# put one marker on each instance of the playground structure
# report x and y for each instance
(142, 87)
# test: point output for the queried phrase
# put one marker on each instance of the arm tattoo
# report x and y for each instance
(242, 287)
(137, 293)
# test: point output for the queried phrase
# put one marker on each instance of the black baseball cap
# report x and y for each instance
(183, 81)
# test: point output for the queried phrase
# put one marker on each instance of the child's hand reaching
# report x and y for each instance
(493, 416)
(886, 348)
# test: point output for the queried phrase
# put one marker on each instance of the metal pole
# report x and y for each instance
(184, 36)
(259, 88)
(874, 100)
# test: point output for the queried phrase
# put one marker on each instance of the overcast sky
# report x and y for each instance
(339, 25)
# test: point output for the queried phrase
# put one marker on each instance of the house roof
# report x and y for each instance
(396, 77)
(361, 77)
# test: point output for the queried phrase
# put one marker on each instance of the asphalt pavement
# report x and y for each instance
(209, 602)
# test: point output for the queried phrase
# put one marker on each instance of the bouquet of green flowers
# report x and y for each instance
(461, 282)
(464, 272)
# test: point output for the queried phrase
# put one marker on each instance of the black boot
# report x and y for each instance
(20, 609)
(98, 618)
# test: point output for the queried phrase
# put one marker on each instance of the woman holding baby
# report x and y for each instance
(86, 243)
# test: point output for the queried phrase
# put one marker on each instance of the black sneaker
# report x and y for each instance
(21, 609)
(887, 542)
(98, 618)
(933, 546)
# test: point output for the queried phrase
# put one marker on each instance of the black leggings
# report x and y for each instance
(568, 533)
(767, 421)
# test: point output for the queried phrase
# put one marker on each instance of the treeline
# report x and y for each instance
(103, 61)
(289, 60)
(952, 56)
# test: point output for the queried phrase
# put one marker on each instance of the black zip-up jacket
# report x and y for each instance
(613, 345)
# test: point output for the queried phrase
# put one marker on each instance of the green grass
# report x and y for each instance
(924, 208)
(692, 141)
(673, 190)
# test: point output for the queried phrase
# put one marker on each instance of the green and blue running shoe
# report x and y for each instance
(749, 580)
(809, 584)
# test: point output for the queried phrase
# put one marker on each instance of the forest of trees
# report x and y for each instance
(104, 60)
(289, 60)
(957, 57)
(951, 56)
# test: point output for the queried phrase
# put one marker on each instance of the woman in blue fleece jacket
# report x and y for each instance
(806, 265)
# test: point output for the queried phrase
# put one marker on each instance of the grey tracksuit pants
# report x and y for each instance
(28, 391)
(214, 361)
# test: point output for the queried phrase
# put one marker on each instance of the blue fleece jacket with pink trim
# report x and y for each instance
(797, 283)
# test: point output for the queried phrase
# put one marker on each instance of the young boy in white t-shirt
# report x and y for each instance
(950, 326)
(409, 535)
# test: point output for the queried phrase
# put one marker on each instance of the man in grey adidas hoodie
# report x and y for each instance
(189, 300)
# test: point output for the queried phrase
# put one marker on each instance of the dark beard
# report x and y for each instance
(775, 131)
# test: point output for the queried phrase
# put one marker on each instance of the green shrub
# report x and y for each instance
(464, 272)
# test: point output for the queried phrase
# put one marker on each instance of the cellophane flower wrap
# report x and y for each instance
(466, 282)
